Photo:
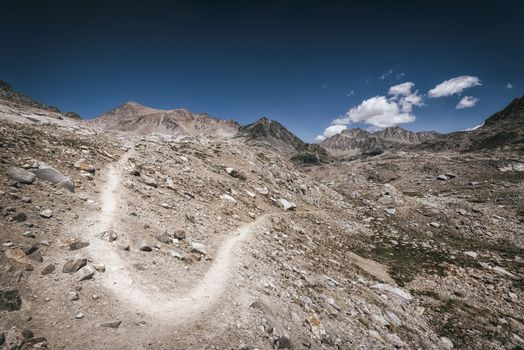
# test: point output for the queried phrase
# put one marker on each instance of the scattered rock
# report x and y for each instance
(228, 198)
(99, 268)
(17, 255)
(20, 217)
(73, 296)
(442, 177)
(47, 173)
(198, 248)
(48, 269)
(84, 166)
(394, 290)
(148, 180)
(79, 315)
(471, 254)
(503, 272)
(109, 236)
(390, 211)
(36, 256)
(164, 237)
(47, 213)
(316, 327)
(445, 344)
(85, 273)
(72, 243)
(179, 233)
(111, 324)
(74, 264)
(287, 205)
(434, 224)
(10, 300)
(177, 254)
(144, 247)
(20, 175)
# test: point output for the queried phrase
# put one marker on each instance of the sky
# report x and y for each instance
(315, 66)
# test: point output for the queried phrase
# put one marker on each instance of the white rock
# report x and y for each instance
(46, 213)
(287, 205)
(390, 211)
(228, 198)
(471, 254)
(394, 290)
(198, 248)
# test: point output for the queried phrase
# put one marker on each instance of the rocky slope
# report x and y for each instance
(136, 118)
(7, 94)
(503, 130)
(146, 241)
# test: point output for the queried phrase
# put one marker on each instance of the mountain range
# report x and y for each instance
(503, 129)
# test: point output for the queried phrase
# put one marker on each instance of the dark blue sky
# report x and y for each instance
(303, 63)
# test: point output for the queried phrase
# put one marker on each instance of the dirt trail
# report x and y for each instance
(120, 279)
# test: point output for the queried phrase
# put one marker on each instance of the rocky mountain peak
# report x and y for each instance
(514, 112)
(272, 133)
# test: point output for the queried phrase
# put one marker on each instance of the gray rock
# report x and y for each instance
(20, 175)
(78, 245)
(111, 324)
(144, 247)
(73, 296)
(74, 264)
(85, 273)
(47, 173)
(148, 181)
(198, 248)
(10, 300)
(99, 267)
(445, 344)
(20, 217)
(47, 213)
(36, 256)
(442, 177)
(48, 269)
(164, 238)
(109, 236)
(177, 254)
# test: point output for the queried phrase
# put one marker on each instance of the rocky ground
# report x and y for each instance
(112, 241)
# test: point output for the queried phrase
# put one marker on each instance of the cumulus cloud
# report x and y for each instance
(454, 86)
(467, 102)
(331, 131)
(377, 111)
(405, 97)
(509, 86)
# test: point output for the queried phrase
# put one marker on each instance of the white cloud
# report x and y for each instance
(377, 111)
(509, 86)
(467, 102)
(406, 98)
(454, 86)
(401, 89)
(331, 131)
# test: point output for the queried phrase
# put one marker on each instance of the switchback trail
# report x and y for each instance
(120, 279)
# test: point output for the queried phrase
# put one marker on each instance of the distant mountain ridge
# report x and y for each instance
(359, 141)
(139, 119)
(8, 94)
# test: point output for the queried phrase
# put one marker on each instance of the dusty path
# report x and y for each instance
(120, 279)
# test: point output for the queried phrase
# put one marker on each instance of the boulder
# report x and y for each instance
(48, 269)
(144, 247)
(47, 173)
(17, 255)
(164, 237)
(20, 175)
